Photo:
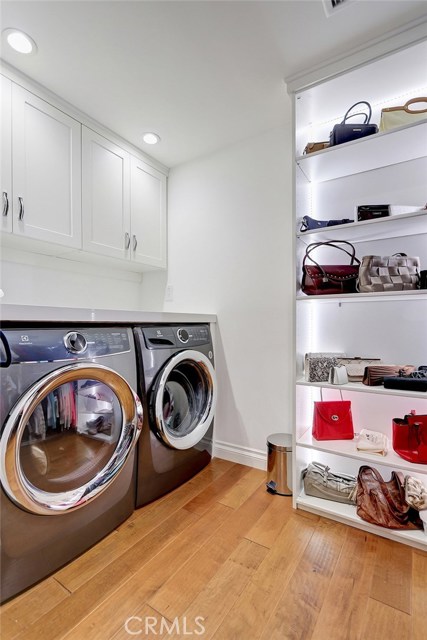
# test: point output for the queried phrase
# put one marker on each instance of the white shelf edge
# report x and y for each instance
(369, 229)
(347, 449)
(346, 514)
(359, 387)
(366, 154)
(378, 135)
(416, 294)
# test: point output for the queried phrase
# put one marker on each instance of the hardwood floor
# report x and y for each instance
(221, 558)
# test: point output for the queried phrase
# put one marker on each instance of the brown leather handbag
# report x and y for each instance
(320, 279)
(374, 374)
(383, 503)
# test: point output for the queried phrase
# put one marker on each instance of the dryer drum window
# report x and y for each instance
(70, 436)
(67, 438)
(183, 399)
(186, 398)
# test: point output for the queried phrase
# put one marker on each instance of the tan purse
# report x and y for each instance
(311, 147)
(393, 117)
(356, 366)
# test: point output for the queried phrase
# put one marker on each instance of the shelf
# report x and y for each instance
(416, 294)
(372, 152)
(346, 514)
(348, 449)
(397, 226)
(363, 388)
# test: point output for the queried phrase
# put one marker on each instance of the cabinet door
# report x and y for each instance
(6, 154)
(46, 171)
(105, 196)
(148, 214)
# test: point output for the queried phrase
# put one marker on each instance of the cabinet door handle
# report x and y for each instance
(127, 240)
(135, 242)
(5, 203)
(21, 209)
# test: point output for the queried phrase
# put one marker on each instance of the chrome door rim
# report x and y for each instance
(13, 480)
(191, 439)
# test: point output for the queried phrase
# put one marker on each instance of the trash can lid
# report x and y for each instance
(280, 441)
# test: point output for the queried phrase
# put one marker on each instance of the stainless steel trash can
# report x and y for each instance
(279, 464)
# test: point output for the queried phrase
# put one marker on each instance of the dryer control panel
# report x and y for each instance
(166, 337)
(52, 345)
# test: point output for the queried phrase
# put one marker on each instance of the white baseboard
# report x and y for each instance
(243, 455)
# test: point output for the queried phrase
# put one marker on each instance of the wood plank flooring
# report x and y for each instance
(221, 558)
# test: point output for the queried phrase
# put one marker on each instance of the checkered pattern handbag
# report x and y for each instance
(388, 273)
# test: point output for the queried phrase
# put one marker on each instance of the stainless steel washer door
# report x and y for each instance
(68, 437)
(184, 399)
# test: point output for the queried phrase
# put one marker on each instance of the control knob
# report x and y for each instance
(75, 342)
(183, 335)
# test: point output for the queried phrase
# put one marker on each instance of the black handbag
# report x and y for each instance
(344, 132)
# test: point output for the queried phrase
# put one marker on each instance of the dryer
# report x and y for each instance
(70, 420)
(178, 383)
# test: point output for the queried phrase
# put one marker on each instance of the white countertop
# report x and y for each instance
(30, 313)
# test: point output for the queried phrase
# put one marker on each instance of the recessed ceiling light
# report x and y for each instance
(20, 41)
(151, 138)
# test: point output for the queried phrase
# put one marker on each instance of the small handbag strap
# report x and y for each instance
(414, 101)
(332, 243)
(367, 115)
(321, 394)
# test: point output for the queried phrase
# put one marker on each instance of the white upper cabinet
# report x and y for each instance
(148, 214)
(46, 165)
(105, 196)
(124, 204)
(66, 186)
(6, 154)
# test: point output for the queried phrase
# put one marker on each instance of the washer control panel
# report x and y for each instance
(52, 345)
(167, 337)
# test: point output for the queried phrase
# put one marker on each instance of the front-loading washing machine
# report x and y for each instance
(70, 420)
(178, 383)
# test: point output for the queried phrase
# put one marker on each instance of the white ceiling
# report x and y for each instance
(202, 75)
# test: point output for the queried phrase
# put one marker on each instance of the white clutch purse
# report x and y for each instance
(372, 442)
(338, 375)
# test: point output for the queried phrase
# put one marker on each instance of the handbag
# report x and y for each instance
(356, 366)
(311, 147)
(388, 273)
(415, 381)
(332, 419)
(374, 374)
(400, 116)
(410, 437)
(415, 493)
(344, 132)
(372, 211)
(338, 375)
(318, 365)
(332, 278)
(383, 503)
(321, 482)
(372, 442)
(310, 224)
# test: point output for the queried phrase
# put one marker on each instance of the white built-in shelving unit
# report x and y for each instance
(385, 168)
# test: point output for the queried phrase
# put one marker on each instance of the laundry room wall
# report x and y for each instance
(230, 248)
(27, 278)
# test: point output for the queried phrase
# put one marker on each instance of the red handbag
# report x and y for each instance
(332, 420)
(410, 437)
(329, 278)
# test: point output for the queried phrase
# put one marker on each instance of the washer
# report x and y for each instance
(70, 420)
(177, 380)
